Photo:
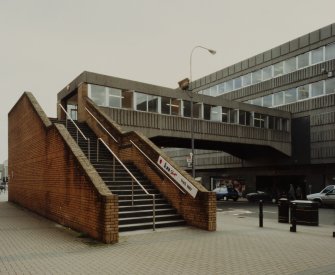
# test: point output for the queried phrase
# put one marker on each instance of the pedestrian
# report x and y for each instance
(291, 193)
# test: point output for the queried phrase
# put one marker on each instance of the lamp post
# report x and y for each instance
(192, 114)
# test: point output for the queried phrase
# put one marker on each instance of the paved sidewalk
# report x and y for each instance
(30, 244)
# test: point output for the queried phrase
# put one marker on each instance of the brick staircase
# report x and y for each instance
(136, 215)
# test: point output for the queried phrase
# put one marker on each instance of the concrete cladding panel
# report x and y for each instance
(326, 32)
(267, 56)
(304, 41)
(238, 67)
(245, 64)
(259, 59)
(276, 52)
(314, 37)
(285, 48)
(294, 45)
(252, 61)
(231, 70)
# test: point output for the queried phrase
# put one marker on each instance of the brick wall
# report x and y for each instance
(199, 211)
(50, 175)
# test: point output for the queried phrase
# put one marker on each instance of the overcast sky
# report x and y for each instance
(45, 44)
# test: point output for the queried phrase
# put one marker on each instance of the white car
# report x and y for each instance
(325, 197)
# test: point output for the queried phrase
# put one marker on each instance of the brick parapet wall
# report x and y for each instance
(199, 211)
(51, 176)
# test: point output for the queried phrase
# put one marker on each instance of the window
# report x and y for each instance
(278, 69)
(278, 98)
(290, 65)
(229, 86)
(221, 88)
(98, 94)
(303, 60)
(330, 86)
(225, 114)
(213, 90)
(317, 55)
(187, 108)
(175, 107)
(237, 83)
(330, 51)
(267, 73)
(290, 96)
(267, 101)
(256, 77)
(259, 120)
(207, 112)
(317, 89)
(303, 92)
(114, 97)
(271, 122)
(216, 114)
(233, 115)
(246, 80)
(244, 118)
(141, 102)
(165, 105)
(197, 108)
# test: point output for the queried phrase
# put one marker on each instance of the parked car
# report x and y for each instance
(226, 193)
(325, 197)
(257, 196)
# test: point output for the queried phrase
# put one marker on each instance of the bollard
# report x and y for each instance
(334, 234)
(293, 228)
(260, 213)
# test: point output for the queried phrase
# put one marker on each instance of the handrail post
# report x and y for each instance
(66, 122)
(77, 137)
(89, 149)
(132, 192)
(114, 168)
(97, 150)
(153, 212)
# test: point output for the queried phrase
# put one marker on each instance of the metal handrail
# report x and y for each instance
(132, 181)
(78, 130)
(101, 125)
(162, 171)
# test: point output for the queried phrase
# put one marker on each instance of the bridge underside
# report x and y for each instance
(240, 150)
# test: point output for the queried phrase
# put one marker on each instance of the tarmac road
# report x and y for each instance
(243, 208)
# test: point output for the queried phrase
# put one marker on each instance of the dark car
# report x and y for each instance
(259, 195)
(226, 193)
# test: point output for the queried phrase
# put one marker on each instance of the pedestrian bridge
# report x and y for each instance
(164, 116)
(173, 131)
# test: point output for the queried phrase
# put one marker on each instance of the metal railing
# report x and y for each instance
(78, 131)
(133, 179)
(152, 162)
(101, 125)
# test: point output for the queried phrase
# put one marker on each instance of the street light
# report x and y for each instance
(192, 115)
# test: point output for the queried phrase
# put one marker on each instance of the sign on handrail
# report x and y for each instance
(160, 169)
(183, 182)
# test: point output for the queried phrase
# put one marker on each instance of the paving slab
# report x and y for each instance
(31, 244)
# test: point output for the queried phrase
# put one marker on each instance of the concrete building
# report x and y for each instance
(263, 123)
(297, 77)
